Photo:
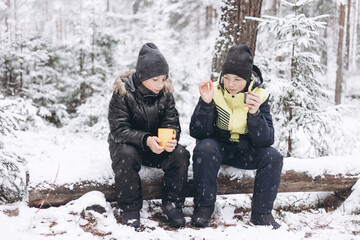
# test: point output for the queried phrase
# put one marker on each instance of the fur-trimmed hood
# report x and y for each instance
(123, 84)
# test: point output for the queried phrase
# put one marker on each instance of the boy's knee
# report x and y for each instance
(277, 158)
(181, 152)
(207, 153)
(206, 145)
(181, 157)
(178, 159)
(274, 159)
(126, 156)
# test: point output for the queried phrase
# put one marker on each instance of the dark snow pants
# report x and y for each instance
(126, 164)
(210, 153)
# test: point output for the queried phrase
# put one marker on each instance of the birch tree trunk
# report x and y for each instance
(339, 72)
(235, 29)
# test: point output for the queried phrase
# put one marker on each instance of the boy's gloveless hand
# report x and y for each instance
(253, 102)
(153, 144)
(171, 145)
(206, 89)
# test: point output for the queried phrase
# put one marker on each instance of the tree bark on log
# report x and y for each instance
(290, 182)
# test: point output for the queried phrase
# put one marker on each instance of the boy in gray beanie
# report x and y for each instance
(142, 102)
(151, 63)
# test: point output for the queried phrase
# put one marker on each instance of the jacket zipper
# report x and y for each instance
(146, 115)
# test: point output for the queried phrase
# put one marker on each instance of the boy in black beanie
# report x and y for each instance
(233, 126)
(142, 102)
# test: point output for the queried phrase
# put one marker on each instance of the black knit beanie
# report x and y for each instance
(239, 61)
(150, 63)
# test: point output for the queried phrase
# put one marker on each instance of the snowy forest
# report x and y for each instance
(59, 60)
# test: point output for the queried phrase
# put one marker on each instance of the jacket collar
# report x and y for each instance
(141, 90)
(125, 83)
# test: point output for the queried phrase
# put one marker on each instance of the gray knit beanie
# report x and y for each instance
(150, 63)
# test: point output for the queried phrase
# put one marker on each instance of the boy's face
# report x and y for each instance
(233, 83)
(155, 84)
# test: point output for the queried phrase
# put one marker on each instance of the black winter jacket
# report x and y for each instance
(135, 112)
(260, 127)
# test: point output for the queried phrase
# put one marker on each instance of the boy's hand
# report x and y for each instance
(206, 89)
(253, 102)
(152, 143)
(171, 145)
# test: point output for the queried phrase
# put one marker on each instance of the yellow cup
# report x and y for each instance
(165, 134)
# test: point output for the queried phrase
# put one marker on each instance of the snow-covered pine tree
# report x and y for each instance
(13, 176)
(306, 124)
(11, 60)
(42, 81)
(13, 173)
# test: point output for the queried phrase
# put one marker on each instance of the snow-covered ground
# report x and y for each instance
(67, 157)
(230, 221)
(72, 157)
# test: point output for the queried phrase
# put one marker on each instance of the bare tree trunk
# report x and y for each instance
(275, 6)
(324, 55)
(65, 30)
(15, 15)
(61, 28)
(4, 78)
(57, 29)
(47, 10)
(339, 73)
(235, 29)
(354, 37)
(82, 55)
(107, 5)
(7, 16)
(347, 41)
(197, 22)
(289, 108)
(93, 42)
(209, 16)
(21, 64)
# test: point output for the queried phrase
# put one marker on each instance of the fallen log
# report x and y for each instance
(291, 181)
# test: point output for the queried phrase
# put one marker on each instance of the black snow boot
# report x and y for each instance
(202, 216)
(264, 220)
(131, 218)
(174, 214)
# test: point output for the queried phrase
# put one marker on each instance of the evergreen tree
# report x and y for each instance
(13, 173)
(300, 105)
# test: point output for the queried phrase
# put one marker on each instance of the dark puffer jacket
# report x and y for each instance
(135, 112)
(260, 127)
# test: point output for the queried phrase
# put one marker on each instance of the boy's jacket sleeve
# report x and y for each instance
(203, 120)
(260, 127)
(121, 129)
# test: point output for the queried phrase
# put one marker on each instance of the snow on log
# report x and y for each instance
(291, 181)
